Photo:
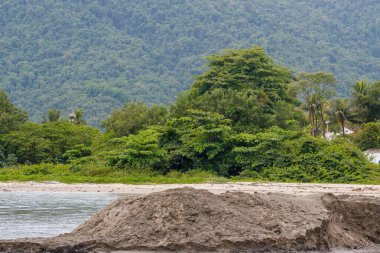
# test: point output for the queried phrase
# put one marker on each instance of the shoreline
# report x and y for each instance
(217, 188)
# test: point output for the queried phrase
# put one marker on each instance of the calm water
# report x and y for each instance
(40, 214)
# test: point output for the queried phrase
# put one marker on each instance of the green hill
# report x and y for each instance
(100, 54)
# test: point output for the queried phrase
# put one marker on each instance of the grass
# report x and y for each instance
(99, 174)
(68, 174)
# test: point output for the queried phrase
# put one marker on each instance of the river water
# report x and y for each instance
(43, 214)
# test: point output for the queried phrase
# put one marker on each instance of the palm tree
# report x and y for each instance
(359, 94)
(360, 88)
(341, 118)
(77, 117)
(341, 111)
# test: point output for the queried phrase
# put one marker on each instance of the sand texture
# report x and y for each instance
(191, 220)
(286, 188)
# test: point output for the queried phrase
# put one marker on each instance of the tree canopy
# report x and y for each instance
(98, 55)
(244, 117)
(245, 86)
(10, 116)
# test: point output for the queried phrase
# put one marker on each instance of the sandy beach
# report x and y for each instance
(286, 188)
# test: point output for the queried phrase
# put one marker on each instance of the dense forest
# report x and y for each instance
(98, 55)
(244, 117)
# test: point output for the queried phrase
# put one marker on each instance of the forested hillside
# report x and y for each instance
(97, 55)
(244, 118)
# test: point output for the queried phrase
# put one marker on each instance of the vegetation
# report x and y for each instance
(98, 55)
(368, 137)
(133, 117)
(245, 118)
(48, 142)
(314, 90)
(10, 117)
(70, 174)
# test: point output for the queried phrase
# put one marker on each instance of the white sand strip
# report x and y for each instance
(286, 188)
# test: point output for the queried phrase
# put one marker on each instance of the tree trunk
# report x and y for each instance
(322, 122)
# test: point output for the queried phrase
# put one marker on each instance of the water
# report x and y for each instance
(43, 214)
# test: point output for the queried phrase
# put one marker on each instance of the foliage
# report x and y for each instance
(133, 117)
(78, 151)
(282, 155)
(197, 141)
(77, 117)
(314, 89)
(98, 55)
(243, 108)
(365, 100)
(139, 151)
(368, 137)
(373, 102)
(245, 86)
(10, 116)
(6, 160)
(240, 119)
(95, 174)
(244, 69)
(48, 142)
(53, 115)
(340, 114)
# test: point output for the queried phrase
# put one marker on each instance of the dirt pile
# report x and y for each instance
(196, 220)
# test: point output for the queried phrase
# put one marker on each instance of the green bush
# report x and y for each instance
(368, 136)
(37, 143)
(286, 156)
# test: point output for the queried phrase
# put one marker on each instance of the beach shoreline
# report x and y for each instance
(217, 188)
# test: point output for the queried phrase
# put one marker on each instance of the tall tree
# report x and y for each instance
(359, 92)
(314, 89)
(245, 86)
(243, 69)
(341, 113)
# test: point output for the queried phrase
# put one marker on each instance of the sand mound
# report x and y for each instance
(196, 220)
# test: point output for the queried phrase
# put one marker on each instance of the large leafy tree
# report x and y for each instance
(10, 116)
(244, 69)
(245, 86)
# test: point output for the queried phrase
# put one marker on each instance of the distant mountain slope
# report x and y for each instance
(99, 54)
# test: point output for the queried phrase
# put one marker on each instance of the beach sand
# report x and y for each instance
(285, 188)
